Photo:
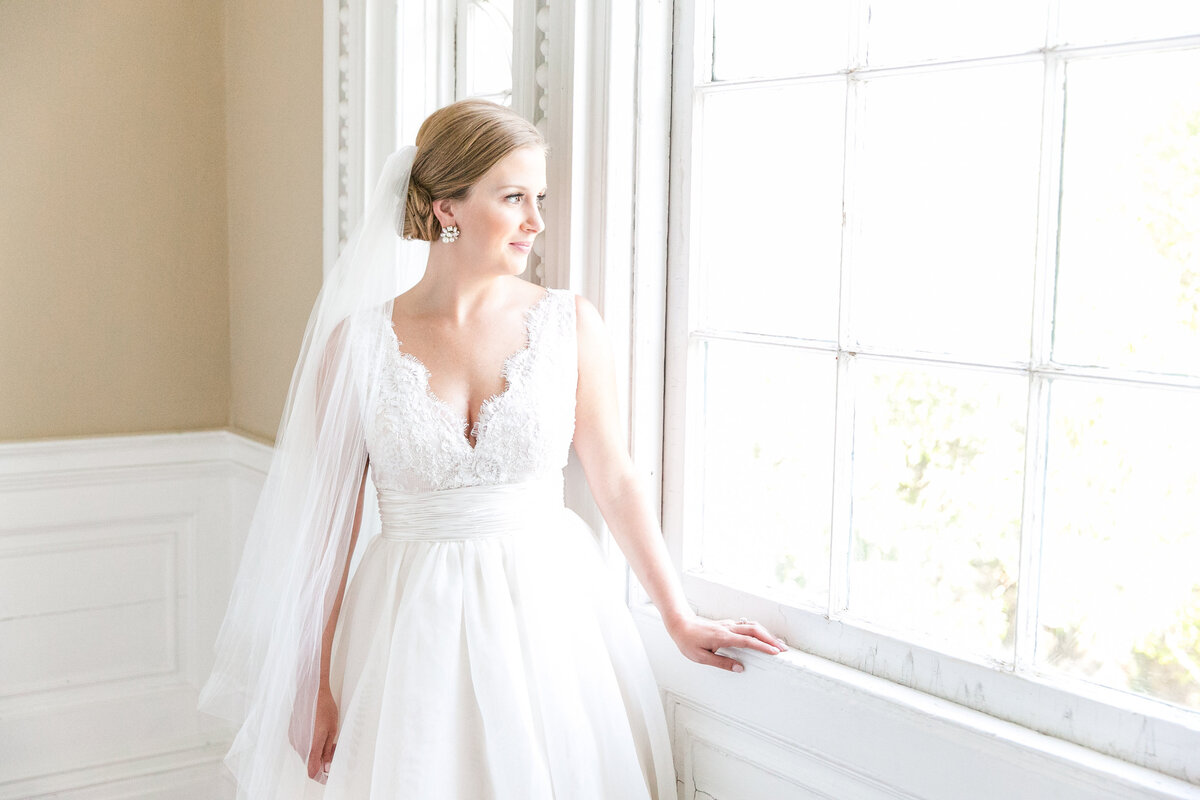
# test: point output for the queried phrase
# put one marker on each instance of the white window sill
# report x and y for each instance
(833, 712)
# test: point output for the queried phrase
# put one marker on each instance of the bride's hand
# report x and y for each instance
(699, 638)
(319, 752)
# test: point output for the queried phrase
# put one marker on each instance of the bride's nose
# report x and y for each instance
(533, 221)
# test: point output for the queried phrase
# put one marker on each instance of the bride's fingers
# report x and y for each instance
(710, 658)
(751, 643)
(726, 636)
(327, 754)
(751, 628)
(315, 761)
(719, 635)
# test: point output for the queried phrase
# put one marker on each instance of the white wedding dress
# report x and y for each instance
(481, 652)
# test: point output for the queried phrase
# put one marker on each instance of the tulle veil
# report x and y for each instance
(266, 671)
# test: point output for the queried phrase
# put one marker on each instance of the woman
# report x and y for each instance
(477, 652)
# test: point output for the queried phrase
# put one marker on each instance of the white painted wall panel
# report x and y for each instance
(116, 559)
(88, 604)
(71, 648)
(721, 757)
(48, 575)
(714, 772)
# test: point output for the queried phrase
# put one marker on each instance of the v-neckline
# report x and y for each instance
(467, 430)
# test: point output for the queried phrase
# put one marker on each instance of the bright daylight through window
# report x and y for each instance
(483, 66)
(942, 346)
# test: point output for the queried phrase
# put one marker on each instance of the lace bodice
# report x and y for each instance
(417, 442)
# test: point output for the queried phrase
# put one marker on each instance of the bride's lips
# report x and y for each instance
(524, 247)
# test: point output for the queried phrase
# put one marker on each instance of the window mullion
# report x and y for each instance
(1041, 341)
(1033, 496)
(843, 450)
(843, 432)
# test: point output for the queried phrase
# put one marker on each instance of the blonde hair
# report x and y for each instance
(456, 146)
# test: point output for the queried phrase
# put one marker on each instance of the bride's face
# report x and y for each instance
(502, 214)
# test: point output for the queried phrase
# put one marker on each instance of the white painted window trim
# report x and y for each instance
(816, 728)
(387, 65)
(465, 58)
(1142, 731)
(607, 84)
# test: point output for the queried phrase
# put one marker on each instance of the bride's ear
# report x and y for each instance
(444, 211)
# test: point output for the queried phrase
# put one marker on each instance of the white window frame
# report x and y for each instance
(464, 56)
(387, 65)
(1135, 729)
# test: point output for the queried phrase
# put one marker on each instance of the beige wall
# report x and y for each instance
(273, 122)
(160, 219)
(113, 278)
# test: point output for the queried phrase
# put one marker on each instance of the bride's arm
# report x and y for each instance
(325, 719)
(623, 500)
(331, 625)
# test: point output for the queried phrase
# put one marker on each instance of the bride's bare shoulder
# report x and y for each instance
(525, 293)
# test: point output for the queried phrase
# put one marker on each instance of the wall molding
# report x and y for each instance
(99, 459)
(116, 559)
(530, 84)
(387, 65)
(703, 740)
(190, 774)
(342, 111)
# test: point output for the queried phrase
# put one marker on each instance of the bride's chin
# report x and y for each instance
(517, 266)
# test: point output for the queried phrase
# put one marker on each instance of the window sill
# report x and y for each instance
(925, 745)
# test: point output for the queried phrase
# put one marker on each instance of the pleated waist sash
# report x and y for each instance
(469, 512)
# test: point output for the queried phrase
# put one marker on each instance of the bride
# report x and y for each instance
(477, 651)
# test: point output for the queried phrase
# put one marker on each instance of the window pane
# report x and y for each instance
(1120, 578)
(767, 487)
(936, 516)
(490, 41)
(1100, 21)
(774, 38)
(912, 31)
(771, 209)
(947, 204)
(1129, 248)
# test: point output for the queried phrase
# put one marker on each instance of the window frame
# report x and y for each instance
(465, 57)
(1136, 729)
(386, 66)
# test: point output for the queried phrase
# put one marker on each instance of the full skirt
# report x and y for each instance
(498, 667)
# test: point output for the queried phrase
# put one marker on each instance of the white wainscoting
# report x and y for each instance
(798, 727)
(116, 558)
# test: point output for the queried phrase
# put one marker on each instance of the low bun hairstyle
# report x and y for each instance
(456, 146)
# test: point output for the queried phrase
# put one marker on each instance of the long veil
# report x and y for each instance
(267, 668)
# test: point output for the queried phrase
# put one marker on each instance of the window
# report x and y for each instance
(483, 51)
(935, 347)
